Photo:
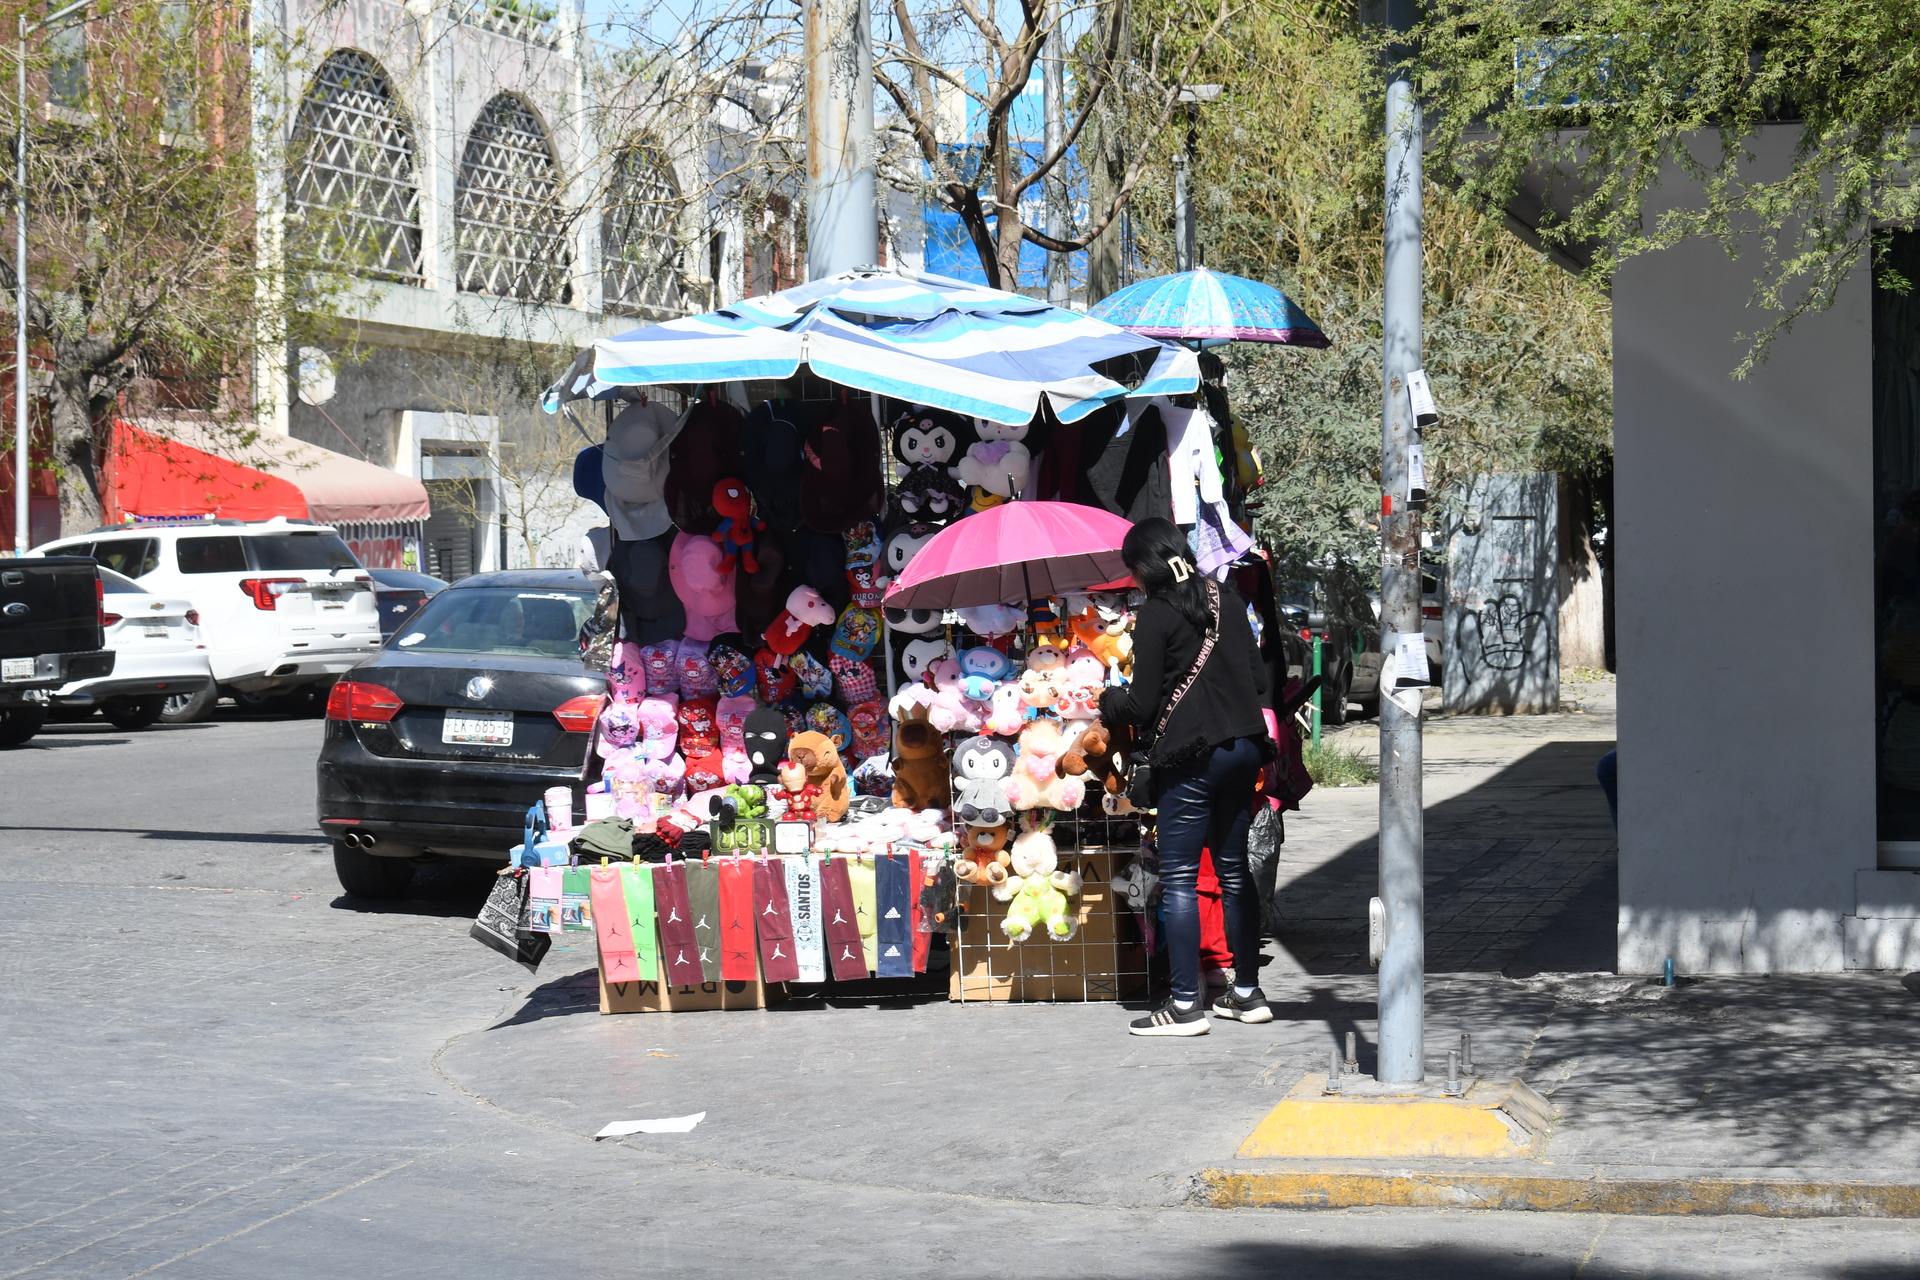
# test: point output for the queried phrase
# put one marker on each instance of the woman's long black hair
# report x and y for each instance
(1161, 562)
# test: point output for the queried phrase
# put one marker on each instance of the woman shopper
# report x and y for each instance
(1194, 652)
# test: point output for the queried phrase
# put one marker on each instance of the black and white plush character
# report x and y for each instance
(919, 654)
(766, 734)
(930, 436)
(926, 495)
(903, 544)
(913, 622)
(981, 767)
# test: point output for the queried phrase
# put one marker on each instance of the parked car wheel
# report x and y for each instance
(20, 722)
(134, 713)
(364, 876)
(186, 708)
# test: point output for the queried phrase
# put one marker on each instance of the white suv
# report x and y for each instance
(283, 603)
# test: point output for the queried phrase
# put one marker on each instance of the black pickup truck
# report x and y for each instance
(50, 634)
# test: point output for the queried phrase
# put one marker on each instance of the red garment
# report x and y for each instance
(1214, 952)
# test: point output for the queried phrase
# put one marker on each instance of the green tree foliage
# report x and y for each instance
(1614, 96)
(1288, 180)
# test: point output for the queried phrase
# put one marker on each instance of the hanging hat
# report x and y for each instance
(587, 480)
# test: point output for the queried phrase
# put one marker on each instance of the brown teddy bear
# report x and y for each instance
(983, 856)
(1096, 754)
(815, 753)
(920, 771)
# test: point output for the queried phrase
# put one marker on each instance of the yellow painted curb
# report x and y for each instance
(1491, 1121)
(1277, 1189)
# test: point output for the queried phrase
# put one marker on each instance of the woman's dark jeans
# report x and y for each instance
(1208, 808)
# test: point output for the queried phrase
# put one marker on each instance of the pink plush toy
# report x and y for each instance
(949, 711)
(1008, 711)
(704, 585)
(732, 715)
(806, 609)
(1078, 693)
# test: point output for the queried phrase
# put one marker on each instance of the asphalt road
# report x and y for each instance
(216, 1066)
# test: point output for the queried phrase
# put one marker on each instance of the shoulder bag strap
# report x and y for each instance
(1199, 661)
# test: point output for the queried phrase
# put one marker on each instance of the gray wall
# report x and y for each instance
(1744, 586)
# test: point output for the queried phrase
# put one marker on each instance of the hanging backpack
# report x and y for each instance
(706, 451)
(771, 440)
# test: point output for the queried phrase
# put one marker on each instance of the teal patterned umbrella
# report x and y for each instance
(1207, 306)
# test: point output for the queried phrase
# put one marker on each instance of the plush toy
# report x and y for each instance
(982, 766)
(704, 585)
(983, 856)
(1040, 683)
(983, 669)
(796, 795)
(948, 708)
(869, 719)
(764, 739)
(806, 609)
(731, 714)
(738, 525)
(815, 752)
(1049, 630)
(1038, 890)
(1037, 782)
(930, 437)
(1008, 712)
(1078, 694)
(999, 464)
(926, 495)
(913, 622)
(903, 544)
(917, 655)
(1116, 650)
(920, 777)
(992, 619)
(1087, 755)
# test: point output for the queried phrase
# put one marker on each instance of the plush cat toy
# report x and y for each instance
(982, 766)
(930, 437)
(920, 777)
(814, 752)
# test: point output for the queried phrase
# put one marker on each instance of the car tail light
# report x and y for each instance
(108, 619)
(100, 601)
(266, 592)
(193, 617)
(1306, 633)
(360, 700)
(576, 715)
(1431, 611)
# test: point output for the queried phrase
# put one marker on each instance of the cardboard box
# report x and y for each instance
(1103, 961)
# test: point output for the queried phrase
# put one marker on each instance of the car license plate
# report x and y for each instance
(155, 630)
(486, 728)
(16, 668)
(333, 604)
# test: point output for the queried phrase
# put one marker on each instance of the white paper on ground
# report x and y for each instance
(673, 1124)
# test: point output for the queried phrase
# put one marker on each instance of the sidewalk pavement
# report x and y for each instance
(1665, 1097)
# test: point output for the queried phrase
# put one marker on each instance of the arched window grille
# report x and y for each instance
(642, 258)
(355, 181)
(509, 228)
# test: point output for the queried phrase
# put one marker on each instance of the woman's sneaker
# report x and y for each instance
(1169, 1021)
(1253, 1008)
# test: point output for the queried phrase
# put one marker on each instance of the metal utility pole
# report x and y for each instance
(1185, 231)
(1402, 832)
(1053, 72)
(843, 211)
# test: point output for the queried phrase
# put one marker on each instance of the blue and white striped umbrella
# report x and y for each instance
(914, 337)
(1209, 306)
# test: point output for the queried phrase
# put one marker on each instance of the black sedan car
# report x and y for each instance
(399, 593)
(441, 742)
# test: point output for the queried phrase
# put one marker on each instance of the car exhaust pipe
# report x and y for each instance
(359, 839)
(368, 839)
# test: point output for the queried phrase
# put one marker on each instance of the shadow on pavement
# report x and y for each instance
(198, 837)
(447, 888)
(1428, 1260)
(1521, 866)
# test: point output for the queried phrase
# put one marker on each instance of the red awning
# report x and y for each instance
(154, 476)
(273, 476)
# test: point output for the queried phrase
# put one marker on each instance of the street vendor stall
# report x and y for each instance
(865, 589)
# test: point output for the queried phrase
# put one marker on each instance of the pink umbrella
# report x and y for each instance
(1012, 553)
